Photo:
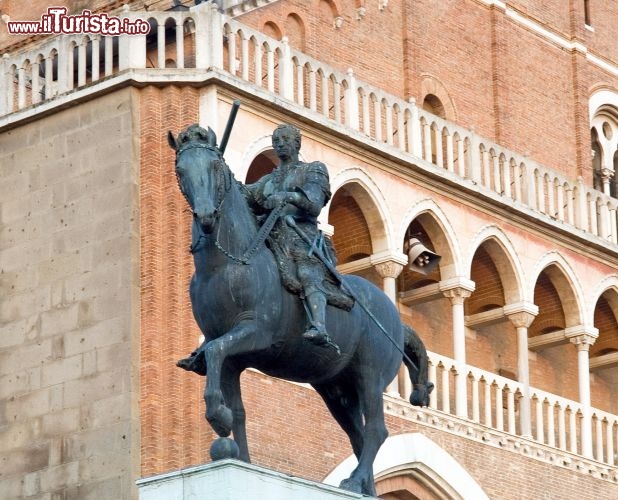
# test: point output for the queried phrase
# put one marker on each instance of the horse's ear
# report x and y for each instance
(211, 137)
(172, 141)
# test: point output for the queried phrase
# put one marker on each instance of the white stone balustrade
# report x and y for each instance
(496, 402)
(203, 38)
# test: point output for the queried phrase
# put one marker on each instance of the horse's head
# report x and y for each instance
(203, 176)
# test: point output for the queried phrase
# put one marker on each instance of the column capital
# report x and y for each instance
(457, 289)
(582, 336)
(521, 314)
(388, 269)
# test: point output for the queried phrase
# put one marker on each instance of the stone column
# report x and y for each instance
(583, 338)
(458, 290)
(389, 266)
(522, 315)
(606, 177)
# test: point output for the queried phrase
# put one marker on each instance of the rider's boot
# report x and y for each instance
(316, 333)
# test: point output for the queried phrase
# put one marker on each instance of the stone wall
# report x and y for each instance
(68, 313)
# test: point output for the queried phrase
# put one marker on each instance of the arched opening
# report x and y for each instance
(263, 164)
(554, 368)
(434, 105)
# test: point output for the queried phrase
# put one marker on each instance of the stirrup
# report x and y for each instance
(320, 338)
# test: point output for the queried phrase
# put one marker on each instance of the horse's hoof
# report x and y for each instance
(352, 485)
(223, 448)
(221, 420)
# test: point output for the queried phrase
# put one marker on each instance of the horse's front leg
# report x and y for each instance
(241, 339)
(230, 385)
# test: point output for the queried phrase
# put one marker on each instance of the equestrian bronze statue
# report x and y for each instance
(257, 310)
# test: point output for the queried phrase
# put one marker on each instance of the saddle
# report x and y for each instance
(335, 295)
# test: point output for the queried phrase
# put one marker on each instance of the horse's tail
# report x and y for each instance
(415, 352)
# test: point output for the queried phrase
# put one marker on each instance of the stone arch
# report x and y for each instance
(604, 309)
(272, 30)
(373, 205)
(503, 253)
(567, 286)
(434, 90)
(439, 231)
(416, 455)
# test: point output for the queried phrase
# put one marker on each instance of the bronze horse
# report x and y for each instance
(250, 320)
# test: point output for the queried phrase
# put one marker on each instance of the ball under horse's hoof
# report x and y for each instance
(223, 448)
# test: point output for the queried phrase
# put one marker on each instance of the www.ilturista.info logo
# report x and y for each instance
(57, 21)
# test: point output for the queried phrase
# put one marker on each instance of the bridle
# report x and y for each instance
(224, 184)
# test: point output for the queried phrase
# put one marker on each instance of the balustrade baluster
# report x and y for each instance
(161, 44)
(560, 202)
(506, 172)
(426, 141)
(313, 92)
(337, 100)
(487, 404)
(81, 64)
(270, 65)
(401, 136)
(592, 210)
(300, 84)
(517, 179)
(231, 53)
(609, 438)
(561, 428)
(476, 404)
(510, 411)
(389, 124)
(599, 438)
(244, 56)
(450, 160)
(551, 431)
(499, 409)
(495, 160)
(258, 54)
(437, 133)
(461, 157)
(95, 45)
(485, 169)
(325, 103)
(36, 96)
(572, 431)
(180, 44)
(377, 116)
(49, 76)
(540, 431)
(21, 88)
(433, 398)
(109, 55)
(446, 402)
(551, 205)
(366, 117)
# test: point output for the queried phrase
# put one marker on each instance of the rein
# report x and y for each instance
(260, 237)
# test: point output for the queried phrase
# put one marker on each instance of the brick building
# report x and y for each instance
(488, 129)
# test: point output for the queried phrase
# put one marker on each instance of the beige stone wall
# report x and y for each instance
(69, 301)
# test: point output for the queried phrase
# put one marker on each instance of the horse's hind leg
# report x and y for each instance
(344, 406)
(375, 433)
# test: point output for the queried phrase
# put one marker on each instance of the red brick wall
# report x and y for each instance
(174, 433)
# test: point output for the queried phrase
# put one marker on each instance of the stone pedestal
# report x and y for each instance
(235, 480)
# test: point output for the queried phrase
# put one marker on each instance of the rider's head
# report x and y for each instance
(286, 136)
